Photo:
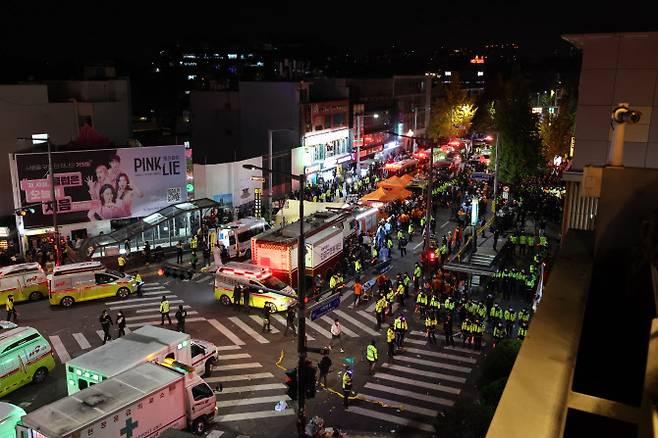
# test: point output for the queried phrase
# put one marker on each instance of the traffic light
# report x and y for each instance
(291, 383)
(25, 211)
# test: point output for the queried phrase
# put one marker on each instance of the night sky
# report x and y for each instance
(125, 29)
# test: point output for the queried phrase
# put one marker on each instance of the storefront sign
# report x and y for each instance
(322, 137)
(101, 184)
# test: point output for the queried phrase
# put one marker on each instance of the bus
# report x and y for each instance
(236, 236)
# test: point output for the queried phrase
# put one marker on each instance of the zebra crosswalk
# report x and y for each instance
(410, 389)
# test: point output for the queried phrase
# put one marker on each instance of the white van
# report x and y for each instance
(236, 236)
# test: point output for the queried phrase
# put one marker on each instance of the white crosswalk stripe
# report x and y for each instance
(433, 364)
(418, 372)
(370, 317)
(81, 340)
(237, 366)
(252, 401)
(203, 279)
(157, 322)
(251, 388)
(402, 406)
(355, 322)
(225, 331)
(152, 284)
(234, 356)
(156, 310)
(156, 293)
(347, 331)
(252, 376)
(154, 314)
(281, 320)
(150, 300)
(259, 320)
(57, 344)
(155, 305)
(442, 355)
(253, 415)
(410, 394)
(391, 418)
(318, 329)
(100, 334)
(228, 347)
(248, 330)
(413, 382)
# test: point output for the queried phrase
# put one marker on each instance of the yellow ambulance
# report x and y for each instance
(25, 281)
(86, 281)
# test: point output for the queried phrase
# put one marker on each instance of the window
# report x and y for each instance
(480, 73)
(197, 350)
(448, 73)
(103, 278)
(201, 391)
(82, 384)
(20, 342)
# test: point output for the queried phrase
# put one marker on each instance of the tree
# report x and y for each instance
(519, 144)
(556, 130)
(452, 113)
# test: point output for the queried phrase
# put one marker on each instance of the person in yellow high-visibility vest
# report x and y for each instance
(164, 310)
(390, 340)
(121, 261)
(371, 356)
(11, 310)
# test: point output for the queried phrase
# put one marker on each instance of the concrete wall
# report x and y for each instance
(216, 181)
(617, 68)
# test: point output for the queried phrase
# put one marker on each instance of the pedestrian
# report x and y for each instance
(447, 331)
(347, 386)
(121, 323)
(164, 310)
(390, 340)
(245, 294)
(147, 252)
(380, 307)
(371, 356)
(106, 322)
(237, 295)
(290, 321)
(11, 309)
(121, 261)
(139, 282)
(179, 252)
(430, 327)
(336, 330)
(358, 290)
(323, 366)
(181, 314)
(265, 314)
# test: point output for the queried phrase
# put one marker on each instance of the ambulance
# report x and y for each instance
(25, 356)
(265, 290)
(87, 281)
(236, 236)
(25, 281)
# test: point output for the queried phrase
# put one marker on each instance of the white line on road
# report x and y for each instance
(203, 279)
(252, 401)
(237, 366)
(157, 322)
(367, 316)
(156, 310)
(390, 418)
(248, 330)
(100, 334)
(410, 394)
(228, 347)
(252, 376)
(418, 246)
(281, 320)
(259, 320)
(404, 406)
(135, 306)
(59, 348)
(154, 314)
(444, 224)
(235, 356)
(252, 415)
(152, 284)
(355, 322)
(81, 340)
(226, 332)
(413, 382)
(424, 373)
(433, 364)
(347, 331)
(318, 329)
(153, 300)
(156, 293)
(250, 388)
(441, 355)
(158, 287)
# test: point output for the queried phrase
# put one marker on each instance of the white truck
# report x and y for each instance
(146, 344)
(142, 402)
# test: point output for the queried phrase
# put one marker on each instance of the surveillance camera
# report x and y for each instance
(623, 114)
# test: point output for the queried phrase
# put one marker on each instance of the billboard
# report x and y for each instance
(101, 184)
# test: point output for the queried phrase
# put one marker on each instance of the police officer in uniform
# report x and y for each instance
(164, 310)
(347, 386)
(390, 340)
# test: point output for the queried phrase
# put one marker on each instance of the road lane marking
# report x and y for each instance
(226, 332)
(410, 394)
(252, 415)
(433, 364)
(156, 293)
(355, 322)
(318, 329)
(228, 347)
(237, 366)
(248, 330)
(431, 374)
(259, 320)
(136, 306)
(347, 331)
(152, 299)
(238, 377)
(204, 279)
(252, 401)
(157, 310)
(414, 382)
(81, 340)
(442, 355)
(367, 316)
(154, 314)
(404, 406)
(100, 334)
(157, 322)
(445, 223)
(250, 388)
(390, 418)
(59, 348)
(235, 356)
(281, 320)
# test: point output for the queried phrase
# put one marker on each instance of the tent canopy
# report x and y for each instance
(379, 195)
(401, 193)
(392, 182)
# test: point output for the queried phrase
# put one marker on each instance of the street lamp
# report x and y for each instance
(271, 165)
(301, 295)
(361, 128)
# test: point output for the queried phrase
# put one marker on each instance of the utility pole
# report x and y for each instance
(495, 187)
(359, 128)
(428, 214)
(53, 201)
(413, 149)
(301, 317)
(269, 180)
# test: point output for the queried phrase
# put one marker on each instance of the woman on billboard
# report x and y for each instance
(108, 208)
(125, 193)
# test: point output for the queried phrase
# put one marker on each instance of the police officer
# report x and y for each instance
(237, 295)
(510, 319)
(380, 308)
(11, 309)
(140, 283)
(447, 331)
(478, 331)
(121, 261)
(390, 297)
(466, 331)
(522, 331)
(498, 334)
(106, 322)
(390, 340)
(347, 386)
(418, 275)
(164, 310)
(180, 315)
(430, 327)
(421, 303)
(290, 321)
(265, 313)
(371, 356)
(121, 323)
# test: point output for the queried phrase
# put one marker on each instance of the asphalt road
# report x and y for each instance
(402, 397)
